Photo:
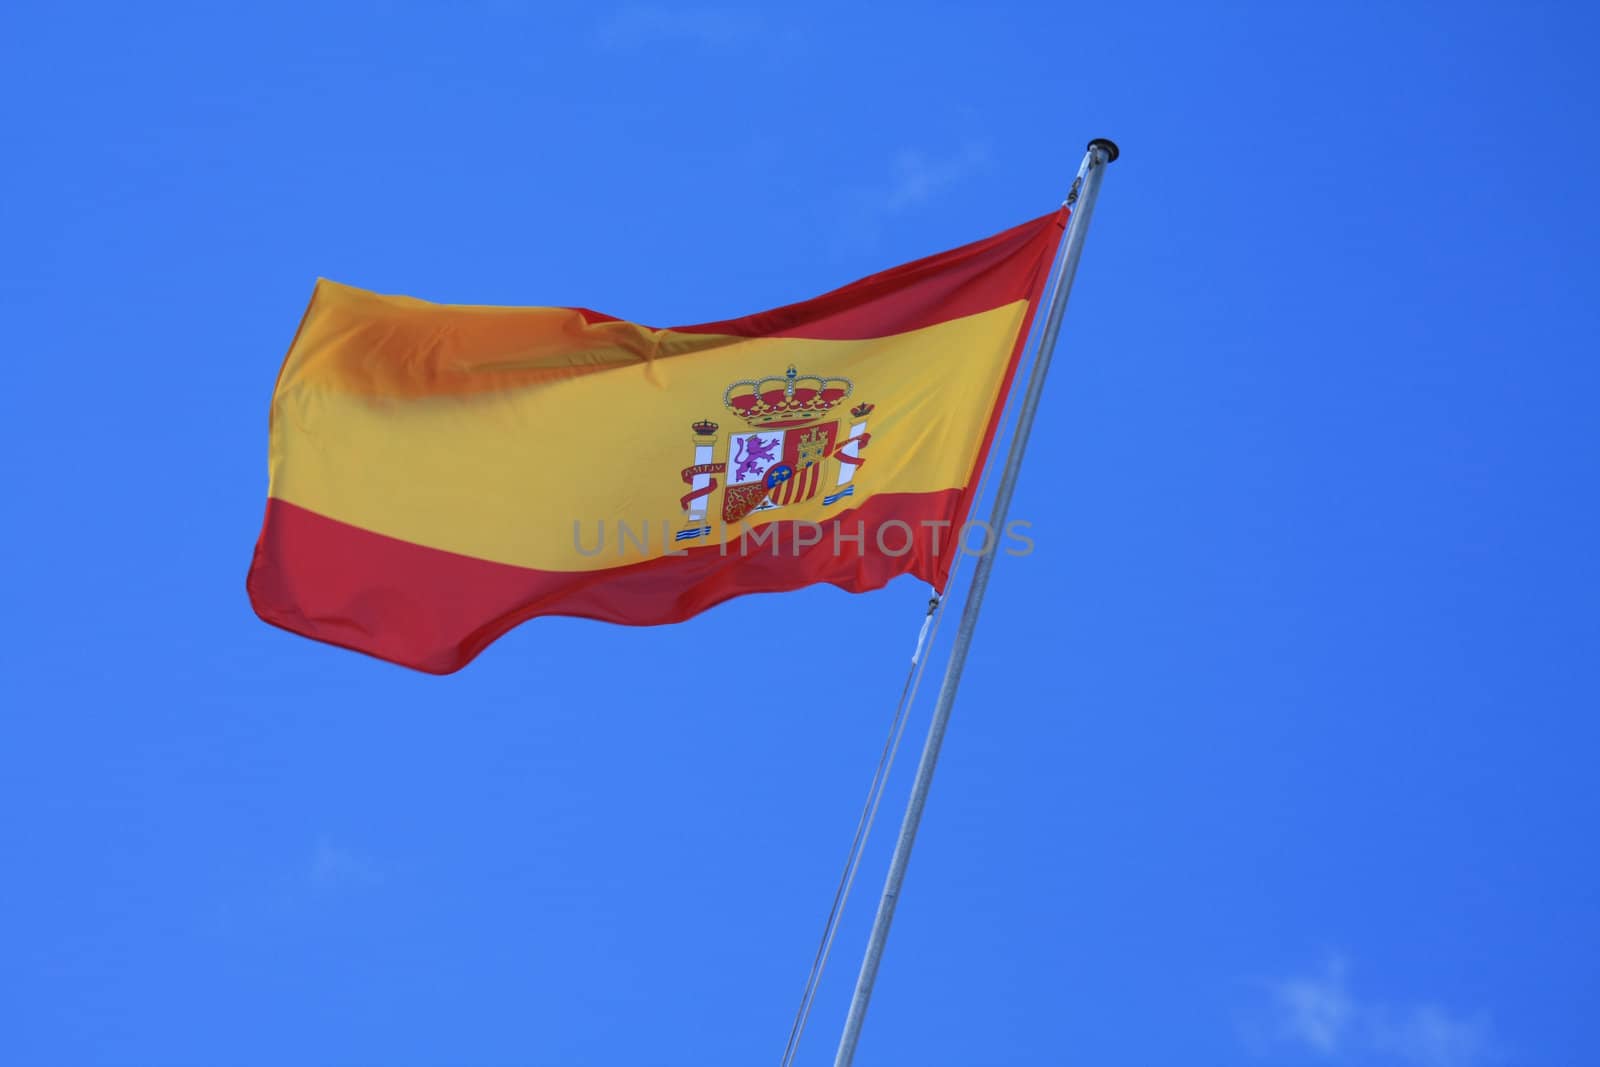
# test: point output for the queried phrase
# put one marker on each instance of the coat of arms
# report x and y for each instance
(788, 451)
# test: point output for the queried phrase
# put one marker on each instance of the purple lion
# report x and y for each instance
(753, 457)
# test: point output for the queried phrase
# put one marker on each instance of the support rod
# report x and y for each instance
(1100, 153)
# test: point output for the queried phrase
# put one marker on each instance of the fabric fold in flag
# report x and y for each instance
(439, 474)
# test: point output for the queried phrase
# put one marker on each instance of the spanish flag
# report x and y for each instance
(440, 473)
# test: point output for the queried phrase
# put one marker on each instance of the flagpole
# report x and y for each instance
(1082, 197)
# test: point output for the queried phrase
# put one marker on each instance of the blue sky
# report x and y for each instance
(1278, 750)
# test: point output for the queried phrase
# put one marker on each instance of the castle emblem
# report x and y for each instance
(790, 447)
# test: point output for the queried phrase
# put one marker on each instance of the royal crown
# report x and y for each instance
(795, 398)
(705, 427)
(861, 411)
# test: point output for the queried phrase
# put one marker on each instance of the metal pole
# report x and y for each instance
(1100, 153)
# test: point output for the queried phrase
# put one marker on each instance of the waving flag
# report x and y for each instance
(439, 473)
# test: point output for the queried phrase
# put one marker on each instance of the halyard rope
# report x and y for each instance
(869, 812)
(880, 781)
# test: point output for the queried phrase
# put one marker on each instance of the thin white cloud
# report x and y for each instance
(639, 26)
(918, 177)
(912, 179)
(1319, 1014)
(1429, 1036)
(1316, 1011)
(336, 868)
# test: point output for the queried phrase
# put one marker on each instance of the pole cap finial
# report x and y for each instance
(1112, 152)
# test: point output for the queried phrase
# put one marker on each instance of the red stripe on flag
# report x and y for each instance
(963, 281)
(435, 611)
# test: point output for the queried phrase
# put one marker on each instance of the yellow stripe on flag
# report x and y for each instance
(503, 474)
